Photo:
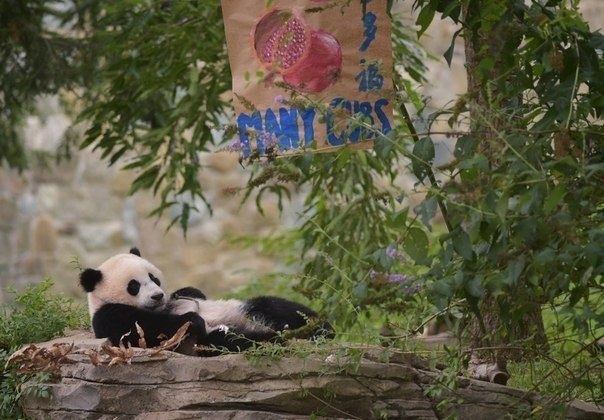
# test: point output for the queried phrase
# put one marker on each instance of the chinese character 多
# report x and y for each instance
(369, 19)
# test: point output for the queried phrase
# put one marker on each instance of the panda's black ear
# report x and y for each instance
(189, 292)
(89, 278)
(135, 251)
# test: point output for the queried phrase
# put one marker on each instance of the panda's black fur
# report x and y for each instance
(116, 308)
(235, 325)
(119, 296)
(117, 322)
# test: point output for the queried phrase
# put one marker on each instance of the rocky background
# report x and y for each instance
(79, 213)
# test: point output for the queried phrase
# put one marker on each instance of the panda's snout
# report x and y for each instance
(157, 297)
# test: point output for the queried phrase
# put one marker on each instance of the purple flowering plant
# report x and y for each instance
(268, 140)
(235, 146)
(264, 144)
(392, 266)
(281, 100)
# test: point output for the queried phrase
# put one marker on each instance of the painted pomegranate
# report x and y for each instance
(310, 60)
(321, 68)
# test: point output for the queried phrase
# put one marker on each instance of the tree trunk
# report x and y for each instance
(491, 339)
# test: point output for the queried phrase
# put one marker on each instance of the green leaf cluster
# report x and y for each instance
(151, 77)
(528, 215)
(160, 100)
(523, 194)
(38, 57)
(33, 316)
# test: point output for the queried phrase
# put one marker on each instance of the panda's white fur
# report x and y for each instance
(118, 271)
(218, 314)
(260, 318)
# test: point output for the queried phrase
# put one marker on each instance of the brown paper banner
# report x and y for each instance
(309, 73)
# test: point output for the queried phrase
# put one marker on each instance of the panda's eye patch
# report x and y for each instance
(154, 279)
(133, 287)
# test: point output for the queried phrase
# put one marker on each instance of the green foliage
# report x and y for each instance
(14, 386)
(573, 366)
(523, 194)
(164, 70)
(33, 316)
(528, 216)
(390, 314)
(153, 73)
(37, 58)
(352, 221)
(353, 213)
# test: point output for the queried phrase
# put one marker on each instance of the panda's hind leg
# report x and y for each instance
(282, 314)
(223, 338)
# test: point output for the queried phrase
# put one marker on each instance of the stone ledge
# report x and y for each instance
(232, 387)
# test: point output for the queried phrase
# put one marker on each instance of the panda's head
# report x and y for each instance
(127, 279)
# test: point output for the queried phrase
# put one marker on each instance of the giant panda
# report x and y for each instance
(235, 324)
(125, 290)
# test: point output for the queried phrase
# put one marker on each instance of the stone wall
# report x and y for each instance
(81, 210)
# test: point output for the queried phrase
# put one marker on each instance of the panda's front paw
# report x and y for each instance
(198, 325)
